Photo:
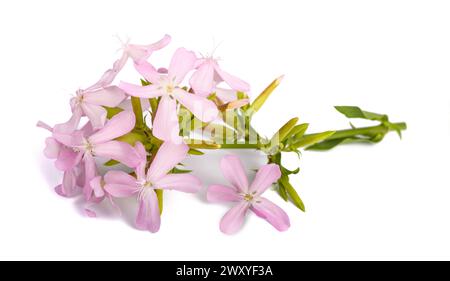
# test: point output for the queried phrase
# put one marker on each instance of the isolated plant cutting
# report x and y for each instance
(142, 132)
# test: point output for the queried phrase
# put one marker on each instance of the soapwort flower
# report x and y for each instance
(247, 197)
(121, 184)
(167, 86)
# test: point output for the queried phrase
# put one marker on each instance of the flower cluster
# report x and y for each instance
(150, 128)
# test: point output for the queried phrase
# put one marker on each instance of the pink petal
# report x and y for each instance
(72, 140)
(204, 109)
(182, 62)
(202, 81)
(232, 81)
(110, 74)
(142, 154)
(148, 217)
(110, 96)
(222, 193)
(119, 125)
(150, 91)
(120, 184)
(272, 213)
(143, 52)
(67, 159)
(167, 157)
(234, 172)
(68, 187)
(43, 125)
(226, 95)
(117, 150)
(90, 172)
(72, 124)
(148, 71)
(95, 113)
(181, 182)
(96, 184)
(52, 148)
(232, 221)
(165, 125)
(265, 177)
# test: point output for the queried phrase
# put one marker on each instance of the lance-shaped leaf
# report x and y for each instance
(356, 112)
(293, 195)
(308, 140)
(284, 131)
(132, 137)
(261, 99)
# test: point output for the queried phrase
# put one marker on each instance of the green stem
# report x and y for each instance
(372, 130)
(137, 109)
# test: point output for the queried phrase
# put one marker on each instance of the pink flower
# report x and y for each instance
(165, 125)
(101, 143)
(247, 196)
(140, 53)
(121, 184)
(209, 74)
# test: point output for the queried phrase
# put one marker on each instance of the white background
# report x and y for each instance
(388, 201)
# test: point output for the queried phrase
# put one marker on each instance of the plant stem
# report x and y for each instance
(137, 109)
(372, 130)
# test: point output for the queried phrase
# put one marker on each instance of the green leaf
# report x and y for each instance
(111, 111)
(356, 112)
(326, 144)
(179, 171)
(284, 131)
(261, 99)
(132, 137)
(299, 130)
(194, 151)
(111, 162)
(144, 82)
(284, 180)
(282, 192)
(159, 194)
(312, 139)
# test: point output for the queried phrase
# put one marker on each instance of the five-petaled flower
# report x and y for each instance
(121, 184)
(247, 197)
(167, 86)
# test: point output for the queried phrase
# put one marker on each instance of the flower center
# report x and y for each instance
(169, 88)
(144, 188)
(88, 147)
(248, 197)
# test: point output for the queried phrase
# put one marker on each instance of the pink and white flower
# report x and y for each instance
(167, 86)
(247, 196)
(121, 184)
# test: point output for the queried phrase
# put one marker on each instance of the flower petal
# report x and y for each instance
(90, 172)
(117, 150)
(96, 184)
(202, 81)
(149, 91)
(232, 221)
(234, 172)
(232, 81)
(52, 148)
(148, 217)
(222, 193)
(203, 108)
(165, 125)
(72, 124)
(120, 184)
(265, 177)
(142, 154)
(167, 157)
(68, 186)
(142, 52)
(181, 182)
(95, 113)
(182, 62)
(67, 159)
(110, 96)
(226, 95)
(269, 211)
(119, 125)
(148, 71)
